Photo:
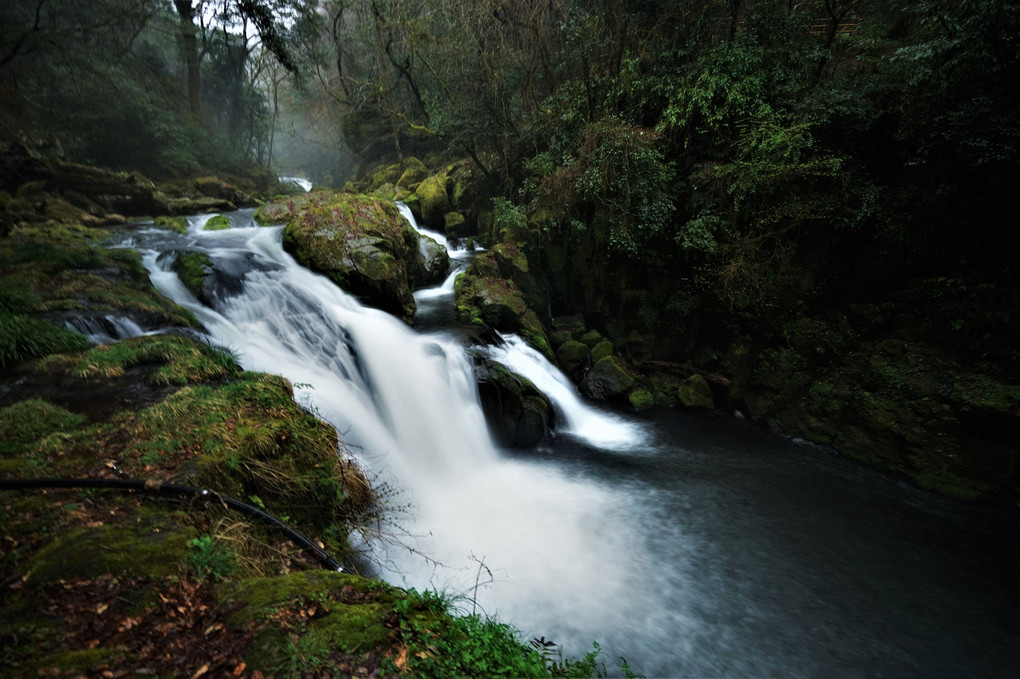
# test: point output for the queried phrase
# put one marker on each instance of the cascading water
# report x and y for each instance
(693, 547)
(407, 403)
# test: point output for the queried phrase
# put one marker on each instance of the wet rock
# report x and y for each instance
(607, 379)
(695, 392)
(519, 415)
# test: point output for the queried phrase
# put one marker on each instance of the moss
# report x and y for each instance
(607, 379)
(695, 392)
(414, 172)
(591, 338)
(181, 360)
(29, 421)
(150, 546)
(192, 268)
(217, 223)
(353, 615)
(572, 355)
(178, 224)
(601, 350)
(640, 399)
(434, 201)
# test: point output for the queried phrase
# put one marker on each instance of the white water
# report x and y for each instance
(306, 184)
(407, 405)
(575, 417)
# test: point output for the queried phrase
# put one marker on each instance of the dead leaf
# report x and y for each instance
(240, 668)
(101, 608)
(201, 670)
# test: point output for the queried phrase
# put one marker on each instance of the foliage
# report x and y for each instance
(209, 558)
(23, 337)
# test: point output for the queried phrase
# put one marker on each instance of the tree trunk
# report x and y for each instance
(189, 45)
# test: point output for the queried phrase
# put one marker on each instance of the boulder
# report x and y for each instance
(607, 379)
(499, 304)
(572, 357)
(695, 392)
(433, 201)
(433, 266)
(519, 415)
(359, 242)
(640, 399)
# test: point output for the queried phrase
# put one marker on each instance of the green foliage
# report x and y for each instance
(624, 175)
(23, 337)
(28, 421)
(210, 559)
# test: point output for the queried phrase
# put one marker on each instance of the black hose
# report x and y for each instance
(173, 490)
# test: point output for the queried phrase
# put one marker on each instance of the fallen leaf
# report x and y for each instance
(101, 608)
(201, 670)
(240, 668)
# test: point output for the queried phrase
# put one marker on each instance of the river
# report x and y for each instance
(693, 545)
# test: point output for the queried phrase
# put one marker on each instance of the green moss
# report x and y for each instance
(591, 338)
(149, 546)
(178, 224)
(601, 350)
(217, 223)
(192, 268)
(433, 200)
(572, 354)
(640, 399)
(29, 421)
(695, 392)
(180, 360)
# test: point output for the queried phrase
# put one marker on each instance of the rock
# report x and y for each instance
(456, 225)
(572, 357)
(414, 172)
(359, 242)
(695, 392)
(433, 267)
(499, 304)
(213, 187)
(557, 338)
(641, 399)
(601, 350)
(607, 379)
(217, 223)
(433, 201)
(519, 415)
(591, 338)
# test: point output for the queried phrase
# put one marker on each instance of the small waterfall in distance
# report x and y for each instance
(407, 405)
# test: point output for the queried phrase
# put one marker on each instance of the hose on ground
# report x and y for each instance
(188, 492)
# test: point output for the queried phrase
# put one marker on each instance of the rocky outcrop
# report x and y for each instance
(361, 243)
(519, 415)
(607, 379)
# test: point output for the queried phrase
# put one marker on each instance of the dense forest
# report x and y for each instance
(807, 204)
(799, 211)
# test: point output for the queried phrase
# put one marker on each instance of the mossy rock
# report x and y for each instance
(591, 338)
(499, 304)
(177, 224)
(641, 399)
(558, 337)
(217, 223)
(193, 268)
(601, 350)
(519, 415)
(695, 392)
(607, 379)
(572, 357)
(414, 173)
(433, 201)
(456, 225)
(362, 244)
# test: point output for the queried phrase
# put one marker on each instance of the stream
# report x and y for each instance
(691, 545)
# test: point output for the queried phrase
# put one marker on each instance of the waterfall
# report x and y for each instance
(406, 404)
(578, 419)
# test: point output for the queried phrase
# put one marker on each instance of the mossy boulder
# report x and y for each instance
(573, 358)
(499, 304)
(414, 173)
(519, 415)
(361, 243)
(641, 399)
(433, 201)
(456, 225)
(695, 392)
(214, 187)
(591, 338)
(601, 350)
(177, 224)
(217, 223)
(607, 379)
